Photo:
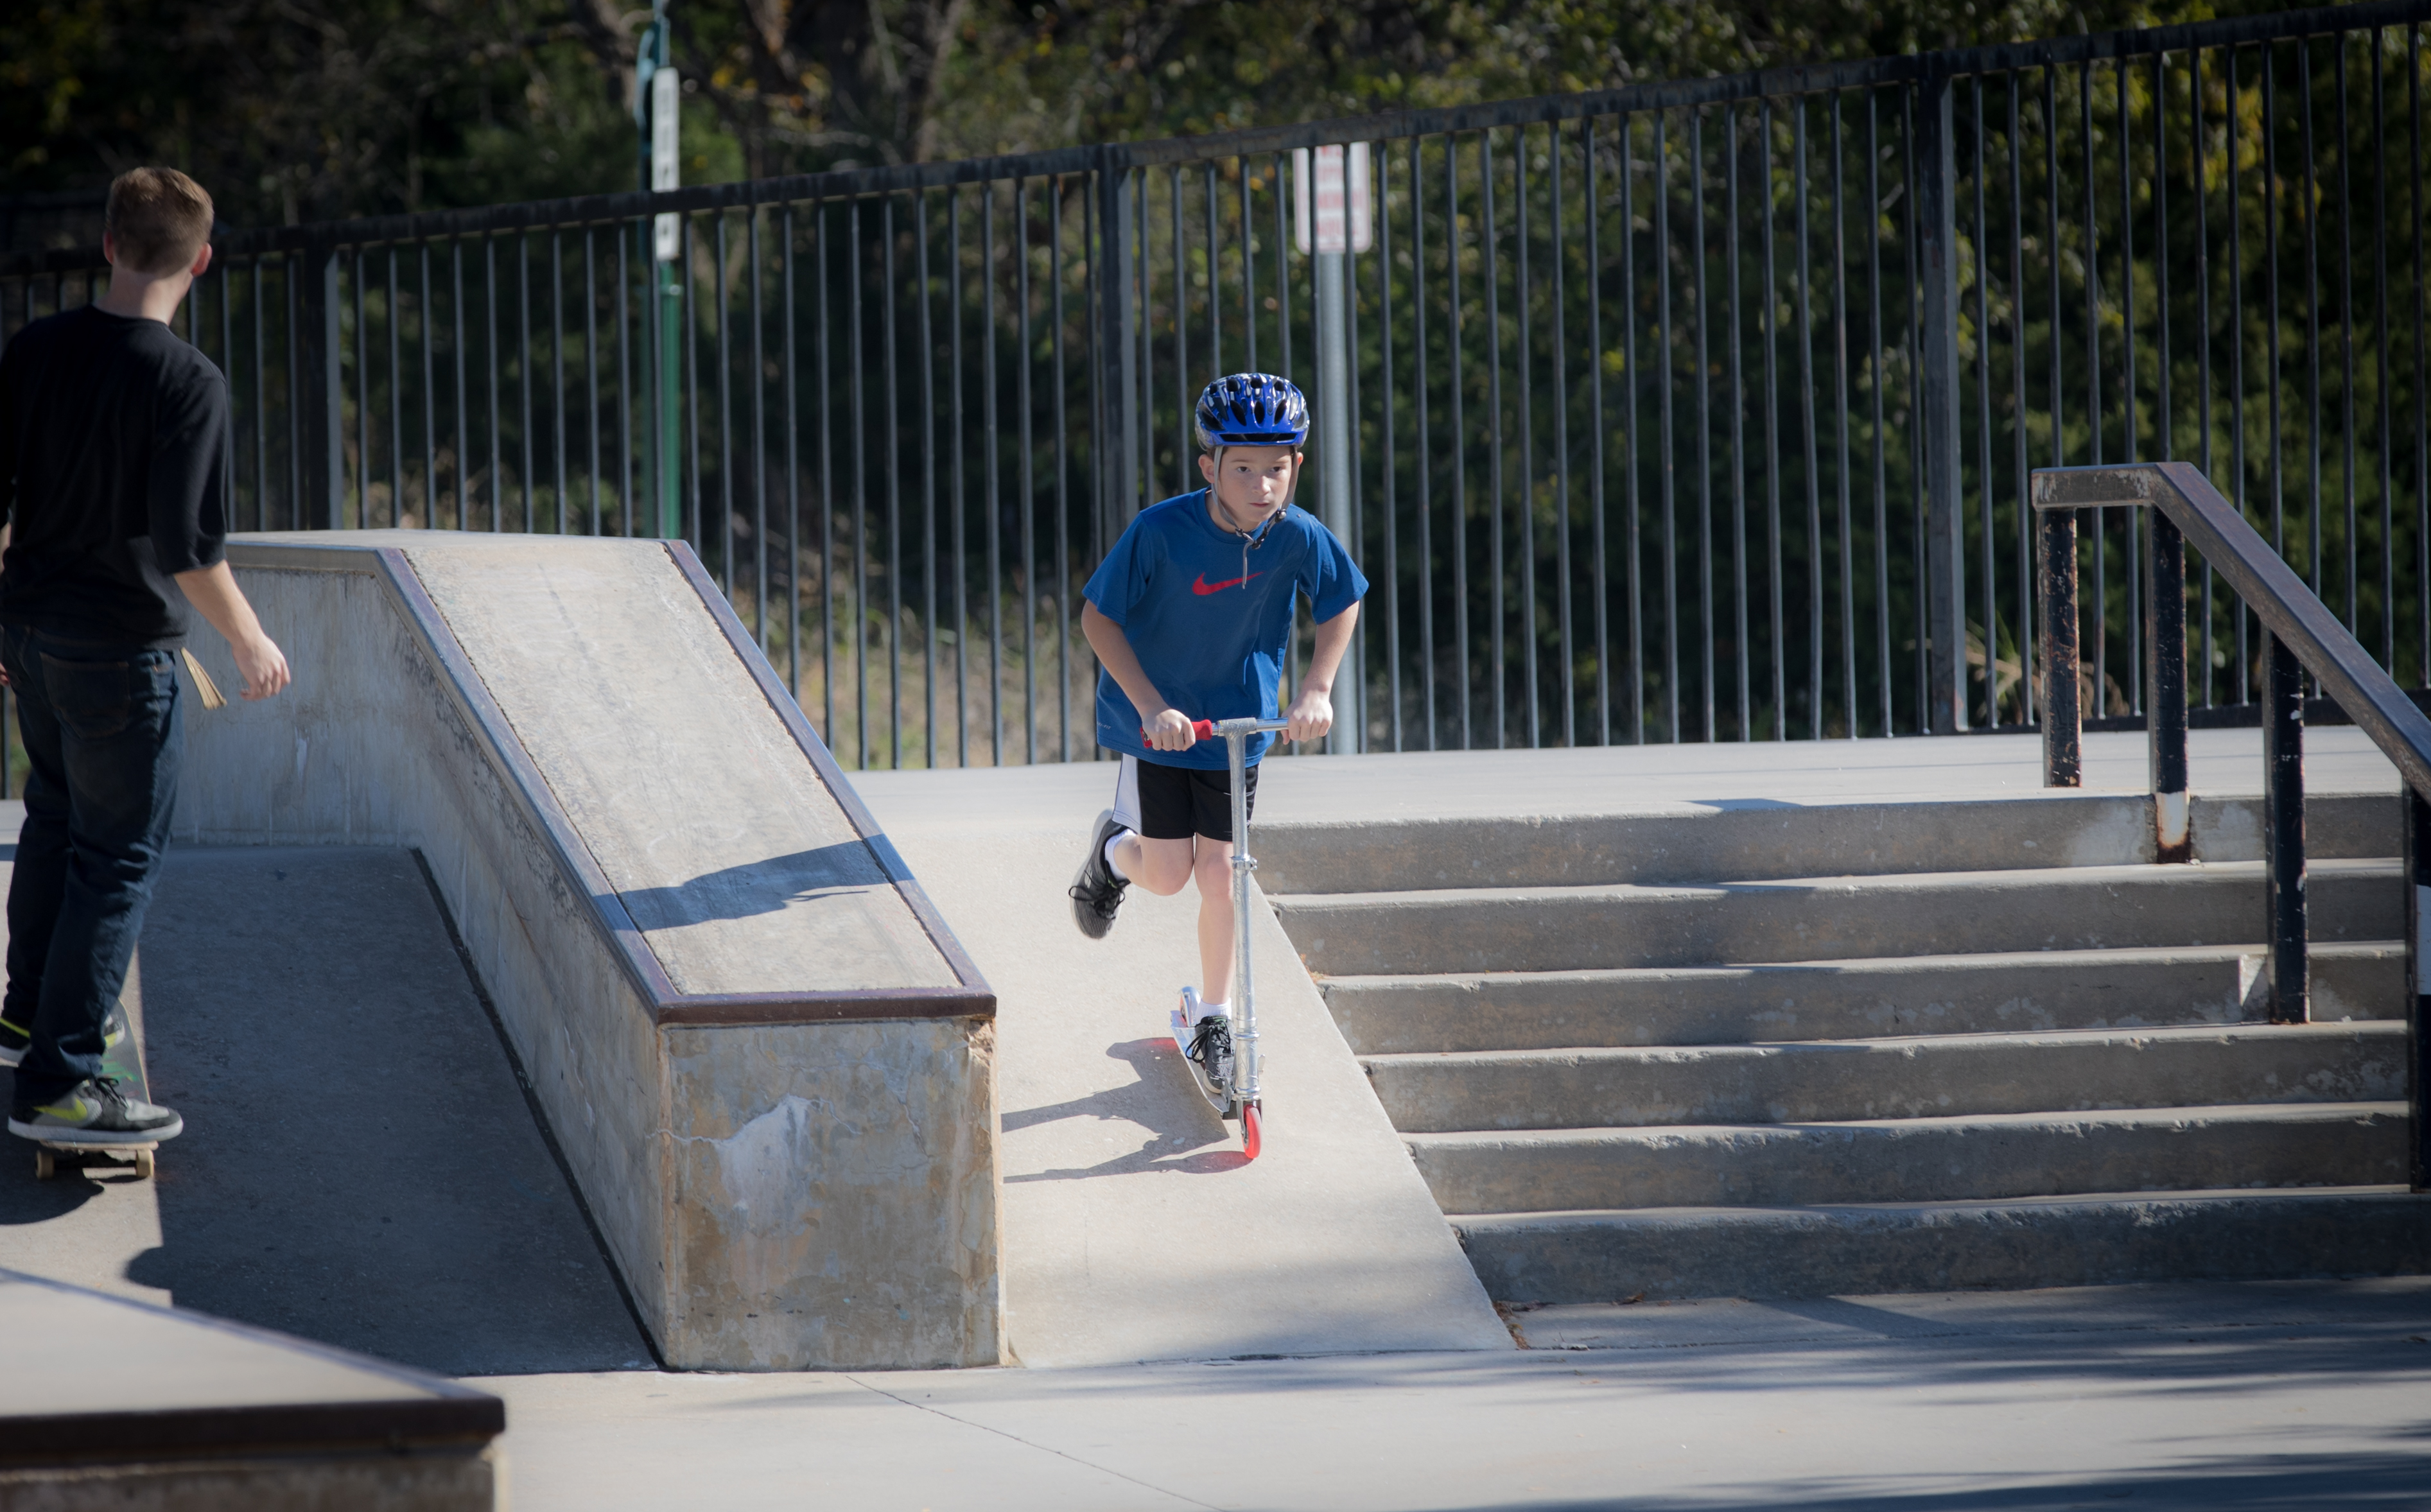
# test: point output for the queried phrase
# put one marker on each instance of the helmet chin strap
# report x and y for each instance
(1256, 538)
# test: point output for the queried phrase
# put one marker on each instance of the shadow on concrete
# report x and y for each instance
(1161, 1100)
(26, 1200)
(359, 1165)
(767, 886)
(2262, 1482)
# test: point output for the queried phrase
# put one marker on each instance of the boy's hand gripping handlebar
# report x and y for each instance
(1209, 729)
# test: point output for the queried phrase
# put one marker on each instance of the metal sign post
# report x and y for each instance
(1335, 221)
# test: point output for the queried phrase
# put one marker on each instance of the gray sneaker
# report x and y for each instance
(16, 1039)
(1095, 891)
(95, 1111)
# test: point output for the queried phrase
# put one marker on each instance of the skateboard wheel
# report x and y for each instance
(45, 1165)
(1252, 1129)
(144, 1165)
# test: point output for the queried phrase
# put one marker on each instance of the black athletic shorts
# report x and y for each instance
(1176, 802)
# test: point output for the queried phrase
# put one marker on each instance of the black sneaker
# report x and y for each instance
(1211, 1046)
(16, 1039)
(95, 1111)
(1097, 891)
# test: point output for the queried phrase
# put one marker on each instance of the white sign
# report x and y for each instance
(1336, 214)
(666, 170)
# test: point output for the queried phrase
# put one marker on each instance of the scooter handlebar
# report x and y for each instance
(1205, 729)
(1200, 730)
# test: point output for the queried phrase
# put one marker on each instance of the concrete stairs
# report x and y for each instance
(1769, 1050)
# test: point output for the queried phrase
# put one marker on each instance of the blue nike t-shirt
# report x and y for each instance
(1209, 616)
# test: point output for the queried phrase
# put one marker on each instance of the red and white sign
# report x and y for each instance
(1330, 188)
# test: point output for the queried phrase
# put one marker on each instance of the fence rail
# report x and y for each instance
(1695, 410)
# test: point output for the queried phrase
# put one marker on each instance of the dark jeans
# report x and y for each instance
(103, 731)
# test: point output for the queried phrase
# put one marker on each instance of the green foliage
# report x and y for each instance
(303, 109)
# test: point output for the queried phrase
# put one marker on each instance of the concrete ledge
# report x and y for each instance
(770, 1065)
(2033, 1242)
(1920, 1160)
(119, 1404)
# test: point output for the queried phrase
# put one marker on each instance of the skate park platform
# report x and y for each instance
(116, 1405)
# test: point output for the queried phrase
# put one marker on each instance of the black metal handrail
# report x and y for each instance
(2303, 636)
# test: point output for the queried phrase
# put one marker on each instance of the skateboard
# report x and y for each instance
(1233, 1091)
(123, 1061)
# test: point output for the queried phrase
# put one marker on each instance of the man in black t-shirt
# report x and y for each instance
(113, 449)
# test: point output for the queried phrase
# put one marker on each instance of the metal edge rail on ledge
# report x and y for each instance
(2302, 635)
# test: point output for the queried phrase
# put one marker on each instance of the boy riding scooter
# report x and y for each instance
(1190, 615)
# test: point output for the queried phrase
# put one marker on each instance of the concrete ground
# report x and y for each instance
(2278, 1396)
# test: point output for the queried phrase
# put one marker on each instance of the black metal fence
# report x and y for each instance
(1698, 410)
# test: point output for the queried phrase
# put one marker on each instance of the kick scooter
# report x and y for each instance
(1231, 1085)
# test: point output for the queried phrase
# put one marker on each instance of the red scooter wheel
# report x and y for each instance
(1253, 1128)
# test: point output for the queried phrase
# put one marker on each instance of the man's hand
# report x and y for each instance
(1170, 730)
(1312, 714)
(213, 593)
(263, 664)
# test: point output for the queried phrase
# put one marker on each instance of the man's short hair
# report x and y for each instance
(159, 220)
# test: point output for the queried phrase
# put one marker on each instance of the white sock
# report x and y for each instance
(1114, 864)
(1215, 1010)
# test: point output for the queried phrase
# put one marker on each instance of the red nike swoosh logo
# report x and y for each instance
(1202, 587)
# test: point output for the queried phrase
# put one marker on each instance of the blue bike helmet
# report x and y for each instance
(1252, 409)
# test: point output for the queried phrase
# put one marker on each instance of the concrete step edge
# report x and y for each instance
(1984, 960)
(1727, 1135)
(2229, 873)
(1960, 1244)
(1977, 1043)
(1595, 1218)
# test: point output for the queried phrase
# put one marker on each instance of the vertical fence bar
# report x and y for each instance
(1704, 421)
(1841, 418)
(1882, 458)
(1665, 370)
(1809, 438)
(1390, 452)
(1771, 325)
(894, 638)
(1462, 684)
(1737, 386)
(1631, 367)
(1422, 469)
(1492, 275)
(1984, 545)
(1937, 229)
(1558, 331)
(927, 471)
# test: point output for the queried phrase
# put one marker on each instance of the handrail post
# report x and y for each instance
(2282, 832)
(2063, 700)
(1945, 529)
(2416, 834)
(2164, 677)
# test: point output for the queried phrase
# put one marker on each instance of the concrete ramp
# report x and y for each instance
(1133, 1231)
(768, 1063)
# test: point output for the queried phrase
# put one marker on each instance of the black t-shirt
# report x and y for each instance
(113, 451)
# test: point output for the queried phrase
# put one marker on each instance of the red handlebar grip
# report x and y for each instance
(1201, 729)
